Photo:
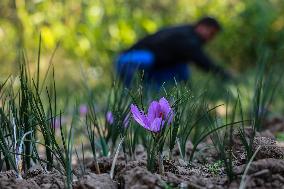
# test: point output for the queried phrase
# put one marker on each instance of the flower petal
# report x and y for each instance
(139, 116)
(165, 106)
(153, 111)
(156, 125)
(109, 117)
(126, 120)
(167, 110)
(83, 109)
(170, 117)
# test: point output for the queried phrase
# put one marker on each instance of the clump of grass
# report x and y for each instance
(267, 81)
(68, 152)
(212, 129)
(119, 106)
(223, 141)
(92, 140)
(191, 114)
(6, 155)
(181, 120)
(26, 116)
(95, 130)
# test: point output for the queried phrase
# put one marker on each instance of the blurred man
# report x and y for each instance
(164, 56)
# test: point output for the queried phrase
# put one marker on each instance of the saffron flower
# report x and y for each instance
(158, 113)
(109, 117)
(56, 123)
(126, 120)
(83, 109)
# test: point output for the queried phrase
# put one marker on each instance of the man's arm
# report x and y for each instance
(203, 61)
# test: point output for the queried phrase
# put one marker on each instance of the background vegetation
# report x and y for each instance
(92, 32)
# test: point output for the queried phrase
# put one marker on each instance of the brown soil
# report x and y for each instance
(92, 181)
(35, 179)
(275, 124)
(264, 173)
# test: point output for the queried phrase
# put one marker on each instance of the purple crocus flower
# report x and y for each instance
(57, 122)
(158, 113)
(83, 109)
(109, 117)
(126, 120)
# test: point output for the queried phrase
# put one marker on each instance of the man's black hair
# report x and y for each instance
(209, 21)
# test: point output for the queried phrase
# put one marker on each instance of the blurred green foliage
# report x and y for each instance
(92, 32)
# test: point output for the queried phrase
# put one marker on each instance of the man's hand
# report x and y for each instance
(228, 75)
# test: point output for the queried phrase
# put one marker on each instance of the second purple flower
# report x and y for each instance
(109, 117)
